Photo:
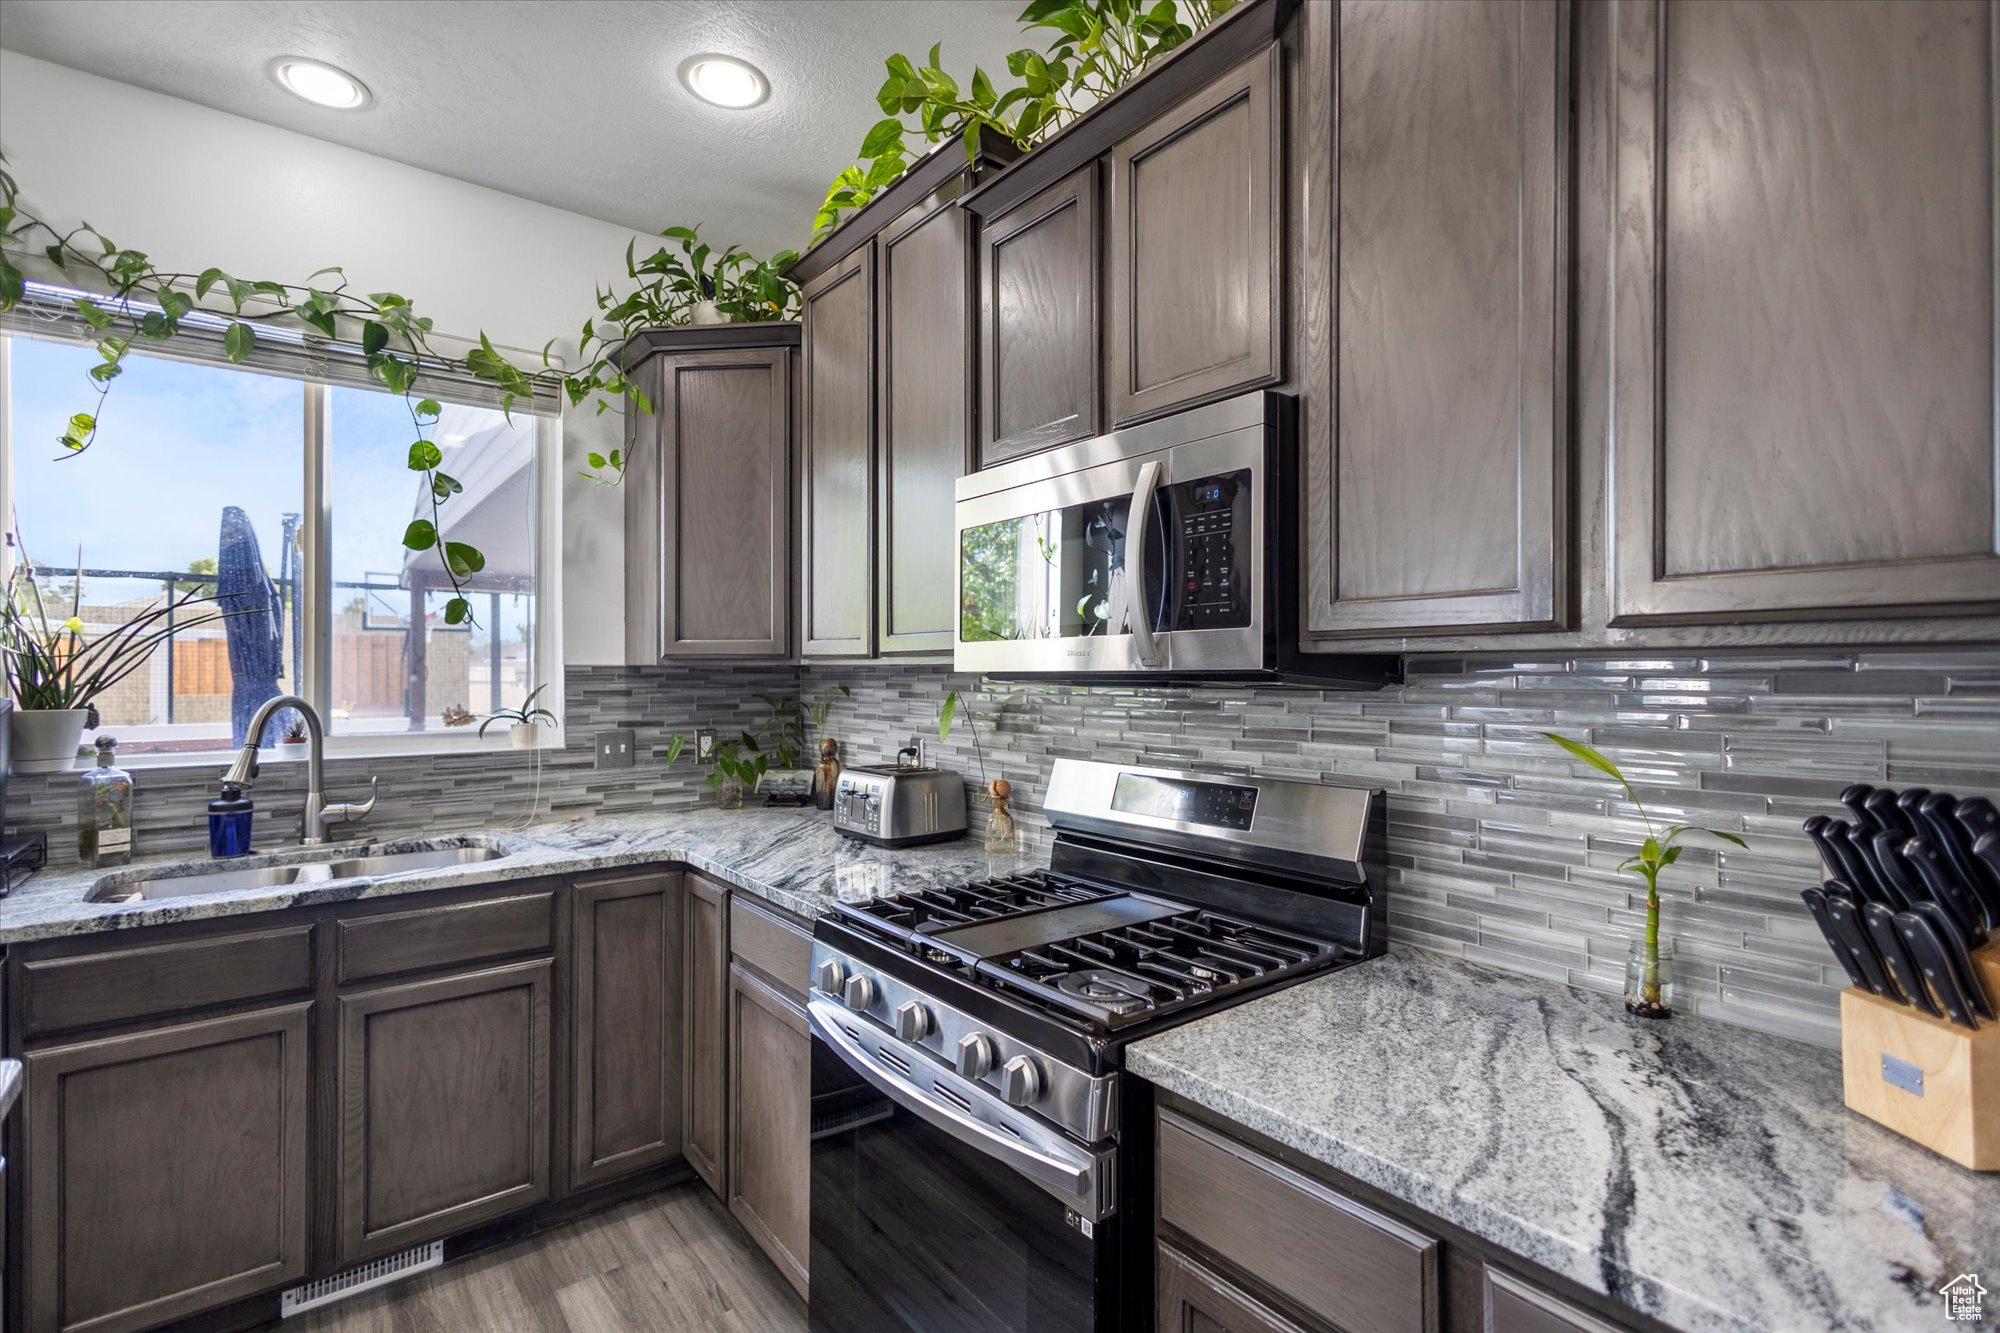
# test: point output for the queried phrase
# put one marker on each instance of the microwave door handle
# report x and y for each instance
(1071, 1177)
(1138, 525)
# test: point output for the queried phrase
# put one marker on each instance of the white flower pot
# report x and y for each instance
(706, 312)
(44, 740)
(524, 735)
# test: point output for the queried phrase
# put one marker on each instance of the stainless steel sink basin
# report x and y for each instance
(309, 870)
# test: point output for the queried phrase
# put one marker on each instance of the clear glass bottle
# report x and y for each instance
(104, 808)
(1002, 839)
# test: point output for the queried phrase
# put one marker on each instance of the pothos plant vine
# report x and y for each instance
(132, 301)
(1098, 47)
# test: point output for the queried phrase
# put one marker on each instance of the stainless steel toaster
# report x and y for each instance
(899, 807)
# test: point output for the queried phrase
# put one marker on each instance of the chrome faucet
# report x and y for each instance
(319, 813)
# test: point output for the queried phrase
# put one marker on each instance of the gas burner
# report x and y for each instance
(915, 916)
(1114, 990)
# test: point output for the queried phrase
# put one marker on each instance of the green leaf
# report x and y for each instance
(93, 314)
(424, 456)
(680, 233)
(444, 485)
(463, 560)
(82, 425)
(1727, 837)
(936, 47)
(429, 408)
(946, 712)
(156, 326)
(900, 66)
(982, 88)
(594, 459)
(208, 279)
(457, 611)
(1586, 754)
(374, 337)
(884, 135)
(238, 340)
(317, 273)
(675, 744)
(420, 535)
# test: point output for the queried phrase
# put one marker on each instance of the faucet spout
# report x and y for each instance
(316, 816)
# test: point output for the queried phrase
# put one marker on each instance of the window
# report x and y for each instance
(205, 471)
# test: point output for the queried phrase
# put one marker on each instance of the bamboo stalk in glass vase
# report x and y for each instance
(1648, 962)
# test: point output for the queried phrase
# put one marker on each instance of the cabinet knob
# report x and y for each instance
(1021, 1081)
(829, 975)
(975, 1055)
(913, 1021)
(859, 993)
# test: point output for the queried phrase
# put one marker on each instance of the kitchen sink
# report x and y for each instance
(309, 869)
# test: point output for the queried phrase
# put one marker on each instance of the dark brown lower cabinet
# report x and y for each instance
(166, 1171)
(625, 1025)
(443, 1104)
(770, 1054)
(704, 1080)
(1513, 1304)
(1193, 1299)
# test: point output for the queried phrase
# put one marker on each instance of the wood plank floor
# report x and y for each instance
(675, 1262)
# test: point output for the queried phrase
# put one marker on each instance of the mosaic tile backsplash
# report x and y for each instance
(1501, 849)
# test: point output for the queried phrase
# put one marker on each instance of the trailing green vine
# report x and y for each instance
(1099, 46)
(133, 302)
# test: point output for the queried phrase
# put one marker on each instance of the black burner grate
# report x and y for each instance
(912, 916)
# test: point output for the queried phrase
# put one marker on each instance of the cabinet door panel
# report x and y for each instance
(724, 424)
(1440, 458)
(770, 1108)
(704, 1119)
(1195, 217)
(924, 393)
(1193, 1299)
(1038, 321)
(838, 450)
(443, 1093)
(1515, 1305)
(1804, 340)
(165, 1171)
(626, 1026)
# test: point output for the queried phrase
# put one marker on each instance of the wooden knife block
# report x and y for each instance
(1958, 1113)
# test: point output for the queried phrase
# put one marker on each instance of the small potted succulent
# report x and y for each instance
(1648, 962)
(524, 721)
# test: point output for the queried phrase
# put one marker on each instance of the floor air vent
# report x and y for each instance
(375, 1273)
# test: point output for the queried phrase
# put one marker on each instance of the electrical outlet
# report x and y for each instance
(616, 748)
(704, 744)
(922, 745)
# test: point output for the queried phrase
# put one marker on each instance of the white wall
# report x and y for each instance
(194, 187)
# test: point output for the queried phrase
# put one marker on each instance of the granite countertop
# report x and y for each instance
(1700, 1172)
(792, 858)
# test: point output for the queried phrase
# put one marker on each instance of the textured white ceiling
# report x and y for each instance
(574, 104)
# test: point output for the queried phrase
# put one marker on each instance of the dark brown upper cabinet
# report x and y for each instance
(708, 495)
(1802, 339)
(924, 360)
(837, 456)
(1038, 335)
(1193, 303)
(1435, 151)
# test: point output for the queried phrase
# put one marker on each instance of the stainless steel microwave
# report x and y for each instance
(1168, 549)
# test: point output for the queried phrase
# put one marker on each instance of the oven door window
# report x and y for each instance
(1059, 574)
(915, 1232)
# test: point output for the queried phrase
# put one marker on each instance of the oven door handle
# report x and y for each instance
(1077, 1177)
(1138, 525)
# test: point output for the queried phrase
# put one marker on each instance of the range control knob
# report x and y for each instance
(1021, 1081)
(975, 1055)
(913, 1021)
(859, 993)
(829, 975)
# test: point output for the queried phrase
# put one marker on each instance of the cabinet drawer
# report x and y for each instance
(119, 985)
(380, 946)
(1300, 1237)
(1514, 1305)
(772, 945)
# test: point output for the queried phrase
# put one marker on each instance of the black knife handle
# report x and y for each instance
(1963, 968)
(1829, 860)
(1986, 851)
(1937, 816)
(1883, 808)
(1896, 960)
(1927, 953)
(1816, 904)
(1847, 928)
(1943, 883)
(1852, 844)
(1855, 798)
(1897, 876)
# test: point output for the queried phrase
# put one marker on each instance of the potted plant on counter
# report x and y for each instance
(733, 765)
(57, 668)
(523, 721)
(1648, 962)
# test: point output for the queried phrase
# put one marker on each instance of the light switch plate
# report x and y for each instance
(704, 744)
(616, 748)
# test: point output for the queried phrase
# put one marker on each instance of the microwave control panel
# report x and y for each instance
(1212, 529)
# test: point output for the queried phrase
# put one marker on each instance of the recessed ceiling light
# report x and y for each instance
(319, 83)
(725, 81)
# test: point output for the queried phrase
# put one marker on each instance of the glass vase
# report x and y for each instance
(1649, 983)
(729, 796)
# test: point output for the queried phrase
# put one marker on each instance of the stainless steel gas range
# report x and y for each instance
(979, 1157)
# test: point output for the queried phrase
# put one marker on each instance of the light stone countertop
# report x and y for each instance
(792, 858)
(1703, 1173)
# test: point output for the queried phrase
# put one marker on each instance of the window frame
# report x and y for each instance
(316, 599)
